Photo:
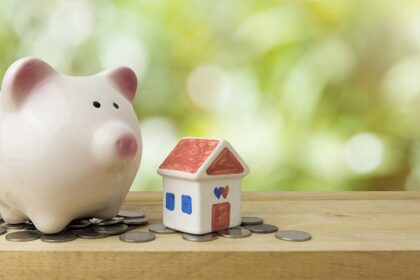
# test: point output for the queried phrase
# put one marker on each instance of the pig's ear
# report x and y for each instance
(21, 78)
(124, 80)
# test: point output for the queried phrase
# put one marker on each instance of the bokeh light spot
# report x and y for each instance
(364, 152)
(208, 87)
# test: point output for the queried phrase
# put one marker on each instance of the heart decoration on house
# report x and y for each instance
(225, 191)
(217, 192)
(221, 191)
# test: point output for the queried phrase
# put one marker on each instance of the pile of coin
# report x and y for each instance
(126, 221)
(248, 226)
(87, 228)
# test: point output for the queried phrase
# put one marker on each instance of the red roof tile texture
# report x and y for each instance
(224, 164)
(189, 155)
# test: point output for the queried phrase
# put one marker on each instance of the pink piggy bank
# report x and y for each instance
(70, 147)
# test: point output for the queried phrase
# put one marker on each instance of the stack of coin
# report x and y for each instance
(89, 233)
(126, 221)
(200, 237)
(237, 232)
(79, 224)
(162, 229)
(24, 235)
(130, 214)
(136, 221)
(87, 228)
(256, 225)
(14, 226)
(262, 228)
(63, 236)
(113, 229)
(2, 230)
(111, 221)
(251, 221)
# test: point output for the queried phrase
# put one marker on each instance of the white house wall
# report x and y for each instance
(203, 198)
(176, 219)
(208, 199)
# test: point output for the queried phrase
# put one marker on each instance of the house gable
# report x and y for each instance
(225, 163)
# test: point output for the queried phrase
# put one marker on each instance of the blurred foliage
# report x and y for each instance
(315, 95)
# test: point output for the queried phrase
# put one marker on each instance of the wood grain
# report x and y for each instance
(357, 235)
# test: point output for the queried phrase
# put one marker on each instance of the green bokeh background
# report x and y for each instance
(315, 95)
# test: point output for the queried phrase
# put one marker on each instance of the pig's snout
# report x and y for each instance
(114, 144)
(127, 145)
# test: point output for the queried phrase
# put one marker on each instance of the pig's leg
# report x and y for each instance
(11, 215)
(50, 222)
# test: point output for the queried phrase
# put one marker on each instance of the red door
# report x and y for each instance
(220, 218)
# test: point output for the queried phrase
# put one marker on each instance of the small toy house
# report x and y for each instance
(202, 186)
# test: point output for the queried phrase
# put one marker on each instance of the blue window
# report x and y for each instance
(170, 201)
(186, 204)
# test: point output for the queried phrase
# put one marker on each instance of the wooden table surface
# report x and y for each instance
(358, 235)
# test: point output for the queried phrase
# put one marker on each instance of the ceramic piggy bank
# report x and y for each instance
(69, 146)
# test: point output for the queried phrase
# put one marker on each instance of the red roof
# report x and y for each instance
(189, 154)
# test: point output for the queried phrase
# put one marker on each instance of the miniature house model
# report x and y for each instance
(202, 186)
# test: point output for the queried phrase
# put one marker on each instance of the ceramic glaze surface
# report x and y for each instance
(70, 147)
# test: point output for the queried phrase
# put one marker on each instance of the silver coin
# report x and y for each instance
(131, 214)
(78, 224)
(129, 227)
(94, 221)
(64, 236)
(200, 238)
(15, 226)
(137, 236)
(263, 228)
(135, 221)
(237, 232)
(111, 229)
(251, 221)
(159, 228)
(30, 226)
(293, 235)
(89, 233)
(21, 236)
(112, 221)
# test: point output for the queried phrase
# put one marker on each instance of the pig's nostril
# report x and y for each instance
(127, 146)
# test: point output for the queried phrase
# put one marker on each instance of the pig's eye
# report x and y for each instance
(116, 105)
(96, 104)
